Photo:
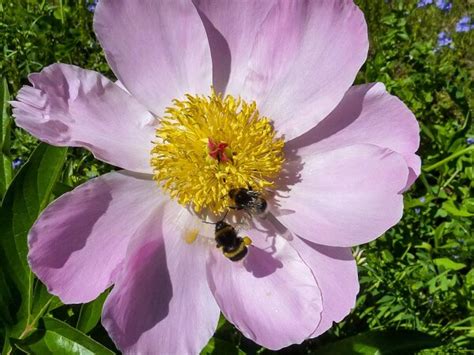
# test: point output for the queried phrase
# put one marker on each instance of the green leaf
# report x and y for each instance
(449, 264)
(43, 300)
(218, 346)
(382, 342)
(61, 188)
(27, 195)
(89, 314)
(6, 119)
(451, 208)
(56, 337)
(6, 295)
(5, 123)
(470, 278)
(6, 174)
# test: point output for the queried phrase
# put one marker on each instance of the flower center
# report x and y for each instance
(208, 145)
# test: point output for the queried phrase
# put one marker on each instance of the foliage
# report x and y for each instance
(418, 277)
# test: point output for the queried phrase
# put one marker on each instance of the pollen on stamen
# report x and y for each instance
(208, 145)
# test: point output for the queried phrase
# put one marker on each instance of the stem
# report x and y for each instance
(31, 326)
(451, 157)
(61, 11)
(425, 182)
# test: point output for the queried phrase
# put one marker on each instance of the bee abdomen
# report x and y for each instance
(226, 237)
(239, 250)
(237, 255)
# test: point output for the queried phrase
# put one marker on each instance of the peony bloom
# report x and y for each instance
(214, 96)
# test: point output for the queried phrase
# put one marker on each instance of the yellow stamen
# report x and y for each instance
(247, 240)
(185, 165)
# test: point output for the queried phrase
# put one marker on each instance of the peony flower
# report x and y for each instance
(215, 96)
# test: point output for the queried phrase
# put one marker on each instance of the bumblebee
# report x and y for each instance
(233, 247)
(248, 200)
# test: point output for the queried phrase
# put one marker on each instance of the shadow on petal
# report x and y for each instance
(261, 263)
(338, 253)
(135, 304)
(345, 113)
(220, 54)
(289, 176)
(77, 223)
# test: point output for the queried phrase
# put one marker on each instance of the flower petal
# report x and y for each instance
(367, 114)
(157, 49)
(291, 57)
(79, 241)
(414, 164)
(271, 296)
(346, 196)
(161, 302)
(70, 106)
(334, 268)
(336, 272)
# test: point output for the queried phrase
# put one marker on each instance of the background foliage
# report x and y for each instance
(417, 281)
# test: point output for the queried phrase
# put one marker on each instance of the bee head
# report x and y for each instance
(220, 225)
(233, 193)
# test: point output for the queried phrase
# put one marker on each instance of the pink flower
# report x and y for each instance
(331, 161)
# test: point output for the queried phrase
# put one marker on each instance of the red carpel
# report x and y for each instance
(217, 150)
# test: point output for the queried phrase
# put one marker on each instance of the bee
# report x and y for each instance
(233, 247)
(248, 200)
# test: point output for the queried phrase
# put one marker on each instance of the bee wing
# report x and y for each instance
(266, 224)
(285, 212)
(282, 230)
(253, 209)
